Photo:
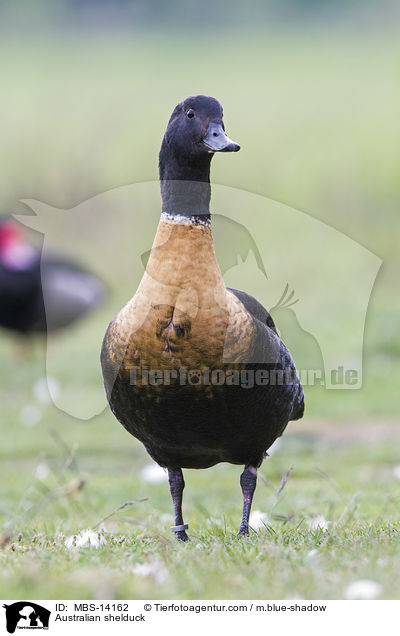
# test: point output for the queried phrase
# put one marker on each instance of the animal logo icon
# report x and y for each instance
(194, 376)
(304, 346)
(26, 615)
(260, 244)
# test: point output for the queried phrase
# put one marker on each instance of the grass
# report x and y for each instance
(317, 117)
(64, 476)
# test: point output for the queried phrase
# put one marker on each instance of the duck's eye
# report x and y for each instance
(190, 113)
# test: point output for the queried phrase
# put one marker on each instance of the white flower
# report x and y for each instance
(319, 522)
(294, 597)
(153, 474)
(42, 471)
(86, 538)
(213, 521)
(396, 472)
(143, 569)
(154, 568)
(46, 389)
(312, 554)
(30, 415)
(364, 589)
(258, 520)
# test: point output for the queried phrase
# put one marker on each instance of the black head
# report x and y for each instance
(196, 129)
(195, 132)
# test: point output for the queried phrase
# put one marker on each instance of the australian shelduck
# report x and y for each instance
(194, 370)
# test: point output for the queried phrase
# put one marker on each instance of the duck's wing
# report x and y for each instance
(254, 308)
(264, 321)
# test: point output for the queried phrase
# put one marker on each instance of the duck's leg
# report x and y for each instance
(176, 486)
(248, 481)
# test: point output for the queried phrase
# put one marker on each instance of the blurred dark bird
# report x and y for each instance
(41, 294)
(194, 370)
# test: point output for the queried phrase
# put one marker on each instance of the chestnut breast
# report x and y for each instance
(182, 315)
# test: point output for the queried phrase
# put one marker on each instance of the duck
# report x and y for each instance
(194, 370)
(41, 293)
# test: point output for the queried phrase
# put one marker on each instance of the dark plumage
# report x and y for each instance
(41, 294)
(189, 331)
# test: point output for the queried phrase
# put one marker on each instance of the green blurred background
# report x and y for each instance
(310, 90)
